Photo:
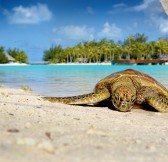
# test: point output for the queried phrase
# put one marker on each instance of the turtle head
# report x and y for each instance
(123, 98)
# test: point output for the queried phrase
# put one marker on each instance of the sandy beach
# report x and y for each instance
(14, 64)
(39, 131)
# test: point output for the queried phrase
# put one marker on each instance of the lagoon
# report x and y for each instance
(67, 80)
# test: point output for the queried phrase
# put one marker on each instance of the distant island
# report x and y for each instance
(105, 51)
(135, 47)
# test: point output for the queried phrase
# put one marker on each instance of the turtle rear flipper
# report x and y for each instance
(160, 103)
(81, 99)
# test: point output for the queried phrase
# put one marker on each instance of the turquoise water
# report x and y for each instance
(66, 80)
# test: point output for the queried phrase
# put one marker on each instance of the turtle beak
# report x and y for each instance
(124, 106)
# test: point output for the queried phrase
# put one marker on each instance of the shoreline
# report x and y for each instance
(82, 64)
(14, 64)
(36, 130)
(73, 64)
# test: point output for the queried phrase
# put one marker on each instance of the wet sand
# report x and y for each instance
(33, 130)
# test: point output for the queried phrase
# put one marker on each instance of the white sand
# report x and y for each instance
(14, 64)
(33, 130)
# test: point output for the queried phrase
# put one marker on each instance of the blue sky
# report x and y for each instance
(34, 26)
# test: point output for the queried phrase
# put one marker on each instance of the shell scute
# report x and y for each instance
(141, 78)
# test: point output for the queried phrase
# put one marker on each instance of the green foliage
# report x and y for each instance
(3, 58)
(134, 47)
(13, 52)
(54, 55)
(18, 55)
(1, 50)
(21, 57)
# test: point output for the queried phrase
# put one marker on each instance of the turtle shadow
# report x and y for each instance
(148, 108)
(109, 105)
(102, 104)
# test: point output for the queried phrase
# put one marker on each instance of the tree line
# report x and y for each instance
(134, 47)
(18, 55)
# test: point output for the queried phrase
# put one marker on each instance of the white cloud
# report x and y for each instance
(117, 8)
(161, 23)
(110, 31)
(119, 5)
(143, 6)
(29, 15)
(75, 32)
(154, 14)
(90, 10)
(151, 9)
(164, 27)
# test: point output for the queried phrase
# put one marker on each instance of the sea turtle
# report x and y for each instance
(123, 89)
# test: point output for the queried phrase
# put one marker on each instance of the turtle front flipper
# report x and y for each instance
(154, 98)
(160, 103)
(81, 99)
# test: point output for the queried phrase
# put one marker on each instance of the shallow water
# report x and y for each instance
(67, 80)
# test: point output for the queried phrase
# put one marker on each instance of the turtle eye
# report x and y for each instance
(117, 97)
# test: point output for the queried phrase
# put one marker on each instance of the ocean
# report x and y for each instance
(67, 80)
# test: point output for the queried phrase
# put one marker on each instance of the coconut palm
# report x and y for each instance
(69, 54)
(162, 46)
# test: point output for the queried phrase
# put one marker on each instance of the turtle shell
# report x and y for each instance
(140, 78)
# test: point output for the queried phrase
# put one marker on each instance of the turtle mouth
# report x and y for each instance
(124, 106)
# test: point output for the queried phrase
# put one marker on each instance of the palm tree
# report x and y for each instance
(69, 53)
(128, 45)
(152, 49)
(162, 46)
